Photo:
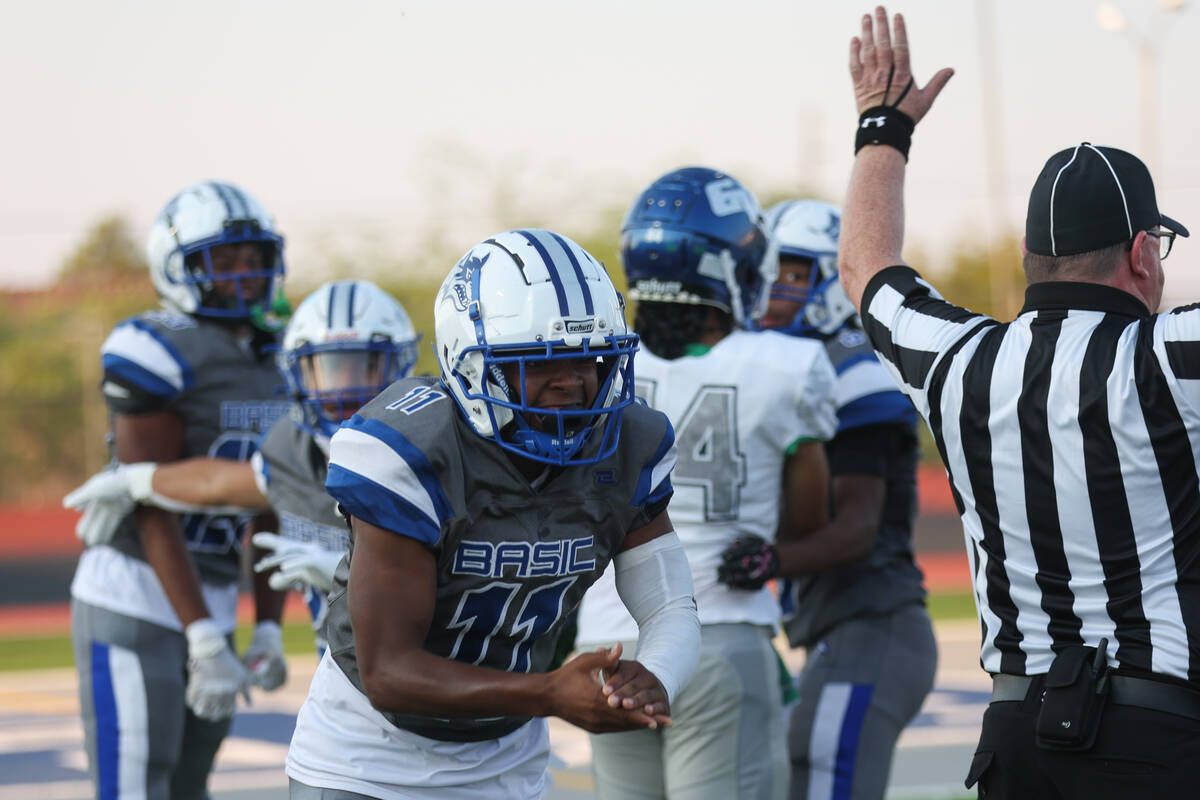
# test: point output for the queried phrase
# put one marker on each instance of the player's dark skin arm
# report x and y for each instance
(158, 437)
(268, 603)
(805, 495)
(391, 594)
(849, 536)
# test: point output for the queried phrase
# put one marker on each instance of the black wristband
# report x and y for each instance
(884, 125)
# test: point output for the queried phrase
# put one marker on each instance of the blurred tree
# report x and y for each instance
(108, 251)
(52, 417)
(988, 280)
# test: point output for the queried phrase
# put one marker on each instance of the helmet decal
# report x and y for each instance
(528, 299)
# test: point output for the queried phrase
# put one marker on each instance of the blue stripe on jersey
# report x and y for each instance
(104, 705)
(185, 369)
(412, 456)
(876, 409)
(847, 753)
(647, 494)
(857, 358)
(583, 285)
(132, 372)
(551, 269)
(380, 506)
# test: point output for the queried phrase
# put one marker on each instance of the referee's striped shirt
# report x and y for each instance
(1071, 438)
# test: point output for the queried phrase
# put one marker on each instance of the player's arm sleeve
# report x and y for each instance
(143, 371)
(379, 476)
(655, 584)
(911, 326)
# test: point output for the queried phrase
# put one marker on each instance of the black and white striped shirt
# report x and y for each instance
(1071, 437)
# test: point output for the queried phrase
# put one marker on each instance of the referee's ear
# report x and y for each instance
(1140, 256)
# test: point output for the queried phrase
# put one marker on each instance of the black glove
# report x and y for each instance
(748, 563)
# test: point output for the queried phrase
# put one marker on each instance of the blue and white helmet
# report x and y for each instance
(199, 218)
(696, 236)
(523, 297)
(345, 344)
(809, 229)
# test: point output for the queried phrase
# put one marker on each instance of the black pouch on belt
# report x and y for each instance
(1076, 691)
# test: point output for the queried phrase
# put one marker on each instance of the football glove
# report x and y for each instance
(298, 562)
(127, 483)
(748, 563)
(264, 657)
(215, 675)
(101, 519)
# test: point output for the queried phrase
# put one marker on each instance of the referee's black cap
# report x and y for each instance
(1089, 197)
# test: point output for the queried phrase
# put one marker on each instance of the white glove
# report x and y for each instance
(215, 675)
(298, 562)
(264, 657)
(101, 519)
(126, 484)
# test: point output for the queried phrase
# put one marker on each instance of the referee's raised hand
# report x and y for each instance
(882, 71)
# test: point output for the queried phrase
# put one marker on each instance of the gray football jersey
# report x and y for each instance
(511, 560)
(295, 468)
(226, 395)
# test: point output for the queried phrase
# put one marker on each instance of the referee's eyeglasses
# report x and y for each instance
(1166, 240)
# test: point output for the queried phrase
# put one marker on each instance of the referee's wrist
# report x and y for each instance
(884, 125)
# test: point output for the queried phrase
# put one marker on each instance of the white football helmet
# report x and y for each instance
(346, 342)
(202, 216)
(809, 229)
(528, 296)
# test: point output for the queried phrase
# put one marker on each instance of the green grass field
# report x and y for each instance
(49, 652)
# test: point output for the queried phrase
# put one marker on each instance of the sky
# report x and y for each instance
(368, 126)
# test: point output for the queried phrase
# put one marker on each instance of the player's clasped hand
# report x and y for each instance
(600, 693)
(748, 563)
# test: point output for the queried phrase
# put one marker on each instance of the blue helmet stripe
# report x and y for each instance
(240, 199)
(333, 291)
(350, 305)
(583, 285)
(219, 188)
(564, 307)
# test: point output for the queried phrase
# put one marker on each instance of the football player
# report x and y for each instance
(750, 412)
(482, 504)
(153, 609)
(856, 593)
(344, 344)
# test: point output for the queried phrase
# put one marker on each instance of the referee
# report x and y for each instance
(1071, 438)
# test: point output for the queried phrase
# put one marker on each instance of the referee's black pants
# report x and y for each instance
(1139, 753)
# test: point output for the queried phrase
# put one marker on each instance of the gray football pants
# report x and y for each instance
(141, 739)
(863, 682)
(727, 737)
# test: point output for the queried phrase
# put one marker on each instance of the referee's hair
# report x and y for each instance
(666, 328)
(1094, 265)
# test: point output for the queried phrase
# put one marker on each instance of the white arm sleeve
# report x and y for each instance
(655, 584)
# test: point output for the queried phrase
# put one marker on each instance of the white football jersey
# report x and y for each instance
(736, 410)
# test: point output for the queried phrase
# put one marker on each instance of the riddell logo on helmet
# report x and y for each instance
(652, 286)
(580, 325)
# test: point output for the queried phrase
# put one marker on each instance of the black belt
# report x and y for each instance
(1125, 690)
